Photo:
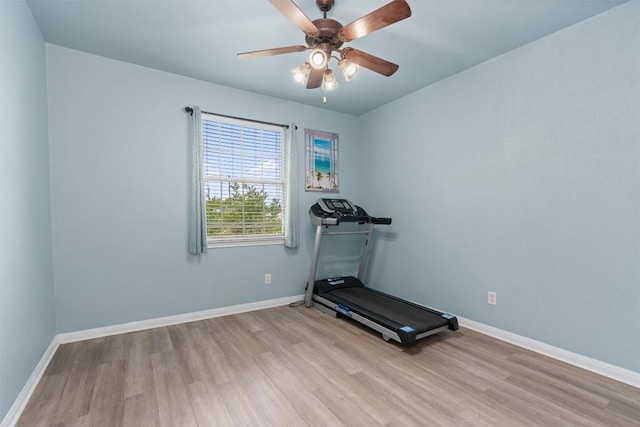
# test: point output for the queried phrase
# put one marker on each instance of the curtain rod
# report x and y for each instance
(190, 111)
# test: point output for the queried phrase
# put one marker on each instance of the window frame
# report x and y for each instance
(238, 240)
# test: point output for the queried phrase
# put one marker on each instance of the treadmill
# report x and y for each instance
(395, 318)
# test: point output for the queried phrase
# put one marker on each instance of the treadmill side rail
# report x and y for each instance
(328, 305)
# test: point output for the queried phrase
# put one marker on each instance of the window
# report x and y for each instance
(243, 181)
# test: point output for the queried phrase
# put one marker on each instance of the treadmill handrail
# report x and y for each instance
(385, 221)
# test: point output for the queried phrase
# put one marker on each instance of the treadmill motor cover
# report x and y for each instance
(325, 286)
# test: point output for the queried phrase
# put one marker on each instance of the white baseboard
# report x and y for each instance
(25, 394)
(611, 371)
(173, 320)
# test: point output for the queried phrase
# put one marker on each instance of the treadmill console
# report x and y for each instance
(333, 211)
(342, 207)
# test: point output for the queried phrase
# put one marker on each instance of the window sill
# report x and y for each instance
(240, 242)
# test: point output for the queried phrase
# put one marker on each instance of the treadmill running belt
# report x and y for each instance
(404, 313)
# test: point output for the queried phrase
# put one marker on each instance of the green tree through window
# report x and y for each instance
(246, 211)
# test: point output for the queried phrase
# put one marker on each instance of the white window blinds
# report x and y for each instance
(244, 185)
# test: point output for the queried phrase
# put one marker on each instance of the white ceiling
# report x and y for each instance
(200, 39)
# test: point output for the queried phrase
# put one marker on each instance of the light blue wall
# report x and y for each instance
(120, 161)
(26, 277)
(521, 176)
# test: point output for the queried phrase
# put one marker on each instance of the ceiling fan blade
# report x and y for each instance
(295, 15)
(315, 78)
(392, 12)
(371, 62)
(270, 52)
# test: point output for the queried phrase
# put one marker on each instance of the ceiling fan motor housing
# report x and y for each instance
(328, 34)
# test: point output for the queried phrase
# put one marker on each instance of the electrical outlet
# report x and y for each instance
(267, 279)
(492, 298)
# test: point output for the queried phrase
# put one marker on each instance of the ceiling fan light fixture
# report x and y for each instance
(329, 81)
(318, 59)
(348, 68)
(325, 36)
(301, 72)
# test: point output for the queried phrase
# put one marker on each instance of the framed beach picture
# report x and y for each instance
(321, 161)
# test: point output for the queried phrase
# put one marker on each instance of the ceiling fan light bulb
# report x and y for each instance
(329, 81)
(301, 72)
(318, 59)
(348, 68)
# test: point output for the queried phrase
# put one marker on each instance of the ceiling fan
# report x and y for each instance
(325, 36)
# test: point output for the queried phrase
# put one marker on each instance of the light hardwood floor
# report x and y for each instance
(296, 367)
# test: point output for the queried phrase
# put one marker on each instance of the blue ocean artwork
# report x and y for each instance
(322, 156)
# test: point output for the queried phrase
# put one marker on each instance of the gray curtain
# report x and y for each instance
(198, 224)
(291, 226)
